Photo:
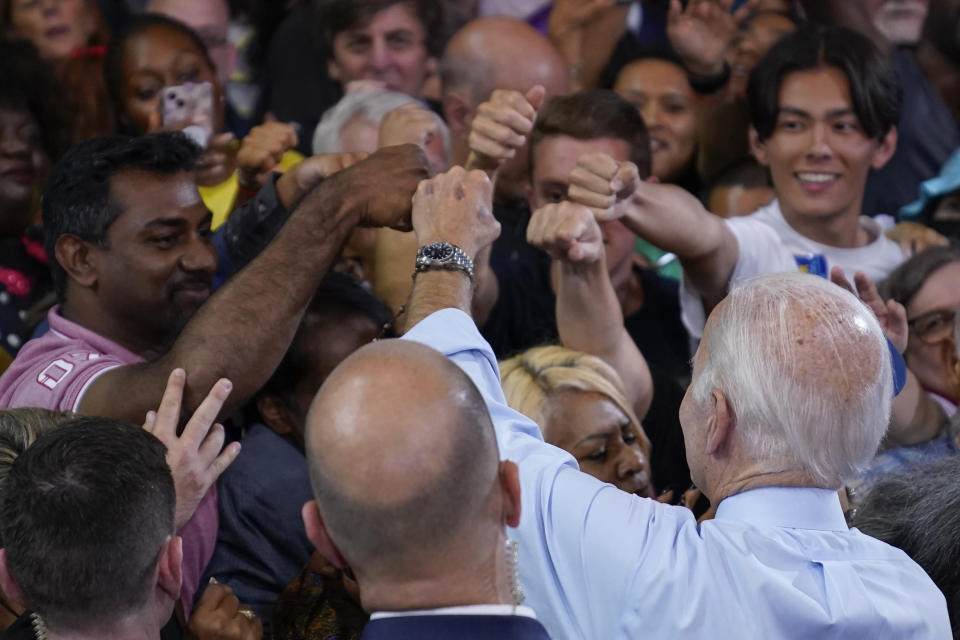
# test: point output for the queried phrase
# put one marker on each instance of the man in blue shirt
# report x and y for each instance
(790, 395)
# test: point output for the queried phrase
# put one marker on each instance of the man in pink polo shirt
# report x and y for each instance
(128, 238)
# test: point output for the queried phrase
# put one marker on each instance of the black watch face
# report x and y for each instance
(438, 251)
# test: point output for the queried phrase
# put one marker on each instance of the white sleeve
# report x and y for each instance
(759, 250)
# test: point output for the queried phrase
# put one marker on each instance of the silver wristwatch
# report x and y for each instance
(443, 255)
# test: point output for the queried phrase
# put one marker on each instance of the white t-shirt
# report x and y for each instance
(768, 244)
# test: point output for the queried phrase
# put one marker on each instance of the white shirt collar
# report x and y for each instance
(465, 610)
(789, 507)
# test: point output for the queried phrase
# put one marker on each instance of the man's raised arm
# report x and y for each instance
(665, 216)
(589, 317)
(579, 538)
(243, 330)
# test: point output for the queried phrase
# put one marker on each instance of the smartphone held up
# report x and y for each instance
(189, 108)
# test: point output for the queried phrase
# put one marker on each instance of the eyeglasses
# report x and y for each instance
(932, 327)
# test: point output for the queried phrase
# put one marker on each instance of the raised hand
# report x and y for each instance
(566, 231)
(891, 314)
(195, 457)
(455, 207)
(701, 33)
(600, 183)
(501, 126)
(307, 174)
(261, 152)
(380, 187)
(219, 616)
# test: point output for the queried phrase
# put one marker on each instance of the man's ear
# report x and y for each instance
(8, 585)
(333, 70)
(720, 423)
(458, 113)
(77, 259)
(510, 486)
(758, 147)
(318, 535)
(275, 414)
(170, 567)
(431, 65)
(885, 150)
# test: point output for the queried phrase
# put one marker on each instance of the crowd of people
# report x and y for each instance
(479, 319)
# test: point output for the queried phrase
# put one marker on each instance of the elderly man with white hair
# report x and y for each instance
(790, 396)
(359, 121)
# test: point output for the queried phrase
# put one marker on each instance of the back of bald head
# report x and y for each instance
(806, 369)
(403, 459)
(497, 52)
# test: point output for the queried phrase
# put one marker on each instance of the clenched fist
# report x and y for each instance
(261, 152)
(566, 231)
(455, 207)
(381, 187)
(600, 183)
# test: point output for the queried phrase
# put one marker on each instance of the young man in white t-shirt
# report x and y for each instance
(825, 103)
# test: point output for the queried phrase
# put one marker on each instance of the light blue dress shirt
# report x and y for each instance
(599, 563)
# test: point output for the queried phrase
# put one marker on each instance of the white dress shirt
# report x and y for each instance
(599, 563)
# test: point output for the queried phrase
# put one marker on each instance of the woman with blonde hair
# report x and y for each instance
(579, 402)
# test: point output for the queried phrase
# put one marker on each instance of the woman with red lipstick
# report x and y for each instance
(57, 28)
(579, 403)
(71, 35)
(31, 135)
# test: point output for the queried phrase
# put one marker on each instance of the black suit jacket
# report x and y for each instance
(463, 627)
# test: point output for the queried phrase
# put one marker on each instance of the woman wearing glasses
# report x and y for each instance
(928, 285)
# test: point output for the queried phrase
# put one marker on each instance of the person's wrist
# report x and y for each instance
(464, 244)
(247, 179)
(709, 80)
(585, 268)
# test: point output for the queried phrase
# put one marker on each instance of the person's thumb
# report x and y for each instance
(269, 117)
(535, 96)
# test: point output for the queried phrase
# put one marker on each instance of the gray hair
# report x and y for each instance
(905, 281)
(918, 511)
(372, 105)
(806, 370)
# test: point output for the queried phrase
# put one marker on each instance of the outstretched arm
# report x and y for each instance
(498, 132)
(579, 538)
(589, 317)
(666, 216)
(242, 332)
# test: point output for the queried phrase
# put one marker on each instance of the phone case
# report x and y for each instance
(190, 108)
